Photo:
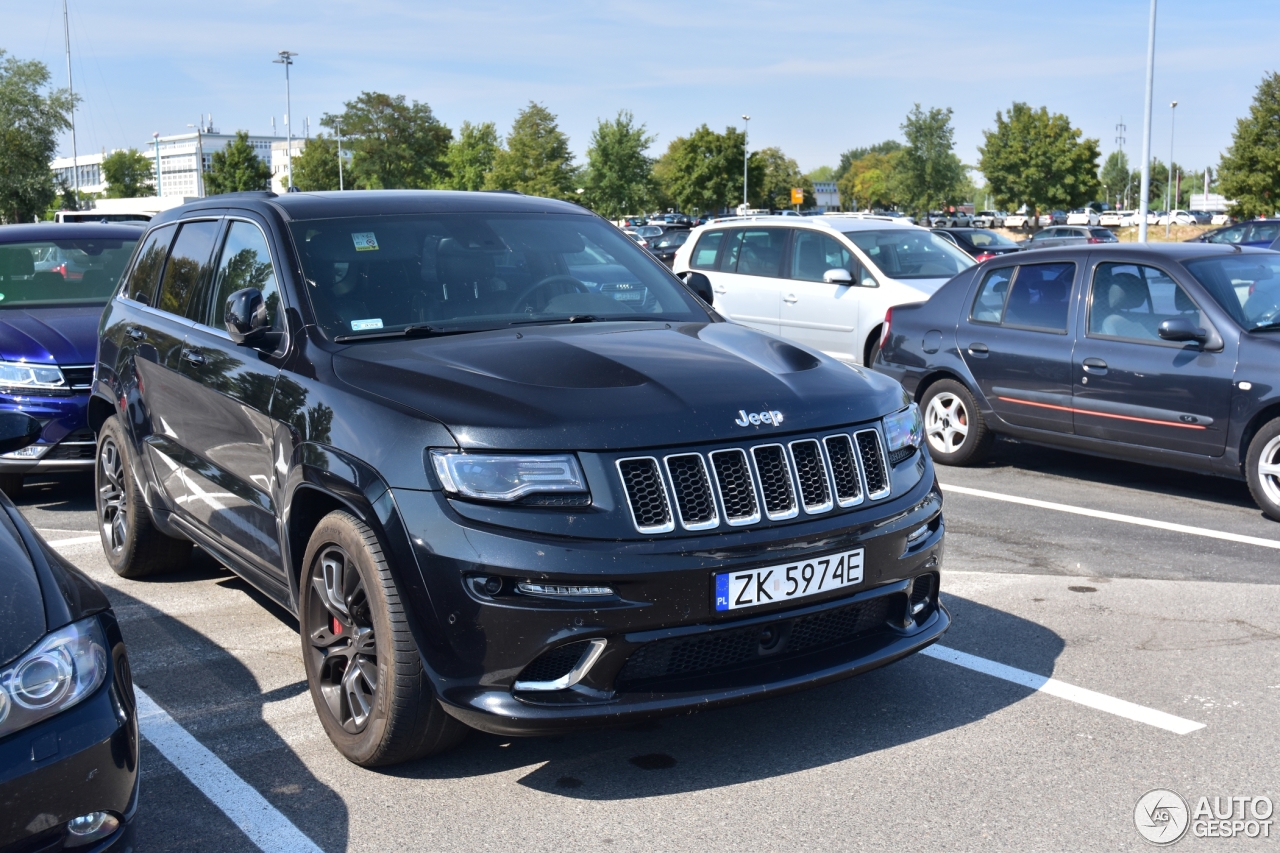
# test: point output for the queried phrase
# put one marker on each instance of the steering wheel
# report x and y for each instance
(577, 287)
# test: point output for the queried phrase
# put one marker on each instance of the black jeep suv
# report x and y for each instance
(505, 468)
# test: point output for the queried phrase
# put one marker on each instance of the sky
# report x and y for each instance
(817, 78)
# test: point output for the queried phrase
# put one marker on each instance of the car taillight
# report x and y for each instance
(60, 269)
(888, 322)
(985, 256)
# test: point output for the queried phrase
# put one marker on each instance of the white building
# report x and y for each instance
(91, 180)
(280, 163)
(180, 153)
(826, 196)
(1212, 202)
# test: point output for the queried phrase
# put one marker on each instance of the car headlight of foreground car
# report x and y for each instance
(508, 477)
(19, 375)
(64, 668)
(904, 429)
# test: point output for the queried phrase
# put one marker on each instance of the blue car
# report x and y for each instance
(55, 279)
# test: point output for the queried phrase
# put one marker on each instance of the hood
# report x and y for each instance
(609, 386)
(927, 286)
(22, 620)
(55, 335)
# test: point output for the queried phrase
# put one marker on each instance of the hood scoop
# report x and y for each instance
(540, 362)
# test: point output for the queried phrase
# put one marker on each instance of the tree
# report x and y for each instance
(237, 168)
(536, 159)
(703, 171)
(619, 177)
(871, 182)
(1115, 176)
(470, 156)
(30, 121)
(823, 173)
(848, 158)
(780, 175)
(128, 174)
(1039, 159)
(316, 168)
(929, 174)
(394, 145)
(1250, 171)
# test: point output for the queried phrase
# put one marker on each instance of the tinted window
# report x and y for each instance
(813, 254)
(146, 272)
(1131, 300)
(1264, 231)
(55, 272)
(246, 262)
(983, 239)
(989, 306)
(1102, 235)
(910, 253)
(756, 251)
(1234, 234)
(187, 268)
(1040, 297)
(704, 254)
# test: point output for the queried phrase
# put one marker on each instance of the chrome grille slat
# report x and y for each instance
(845, 474)
(736, 486)
(646, 494)
(811, 475)
(695, 503)
(776, 486)
(871, 455)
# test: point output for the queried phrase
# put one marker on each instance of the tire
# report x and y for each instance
(366, 679)
(1262, 468)
(11, 485)
(953, 425)
(133, 545)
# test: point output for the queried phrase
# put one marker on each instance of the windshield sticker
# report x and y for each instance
(365, 242)
(365, 325)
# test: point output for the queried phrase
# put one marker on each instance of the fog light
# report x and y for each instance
(90, 827)
(560, 591)
(31, 451)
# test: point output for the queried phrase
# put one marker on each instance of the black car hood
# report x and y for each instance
(63, 334)
(608, 386)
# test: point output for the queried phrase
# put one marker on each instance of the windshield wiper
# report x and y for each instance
(572, 318)
(418, 331)
(1266, 327)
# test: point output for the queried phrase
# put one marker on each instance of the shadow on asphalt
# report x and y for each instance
(903, 703)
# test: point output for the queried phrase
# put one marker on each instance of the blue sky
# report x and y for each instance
(816, 77)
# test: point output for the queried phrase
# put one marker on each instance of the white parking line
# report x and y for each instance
(75, 540)
(1115, 516)
(1062, 690)
(266, 827)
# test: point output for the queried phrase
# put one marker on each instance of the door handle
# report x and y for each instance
(134, 332)
(194, 356)
(1095, 365)
(978, 349)
(790, 297)
(720, 289)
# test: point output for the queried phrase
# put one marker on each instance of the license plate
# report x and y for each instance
(788, 581)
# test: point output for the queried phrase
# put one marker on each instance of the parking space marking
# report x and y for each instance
(1115, 516)
(75, 540)
(265, 826)
(1054, 687)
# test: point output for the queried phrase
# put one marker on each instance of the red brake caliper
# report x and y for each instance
(337, 627)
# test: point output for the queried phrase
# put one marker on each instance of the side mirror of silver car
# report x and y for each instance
(837, 276)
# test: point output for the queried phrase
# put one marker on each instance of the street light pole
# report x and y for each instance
(338, 125)
(1144, 202)
(1173, 112)
(746, 123)
(156, 138)
(286, 59)
(75, 157)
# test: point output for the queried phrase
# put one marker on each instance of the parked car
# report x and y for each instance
(379, 408)
(988, 219)
(1083, 216)
(54, 281)
(636, 238)
(949, 219)
(820, 281)
(1176, 217)
(1114, 218)
(1069, 235)
(1164, 354)
(980, 244)
(1220, 219)
(665, 247)
(68, 718)
(1053, 217)
(1257, 232)
(1202, 217)
(1018, 220)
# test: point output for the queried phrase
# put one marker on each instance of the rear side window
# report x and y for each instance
(704, 253)
(1032, 296)
(188, 268)
(989, 306)
(756, 251)
(141, 286)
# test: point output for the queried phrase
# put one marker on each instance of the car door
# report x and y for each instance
(1130, 385)
(1016, 344)
(747, 281)
(816, 313)
(226, 425)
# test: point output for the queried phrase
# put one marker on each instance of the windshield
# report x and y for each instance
(672, 239)
(987, 239)
(1246, 286)
(910, 253)
(377, 275)
(56, 272)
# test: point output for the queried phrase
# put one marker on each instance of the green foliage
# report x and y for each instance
(1250, 171)
(470, 156)
(1115, 177)
(394, 145)
(848, 158)
(128, 174)
(619, 177)
(237, 168)
(870, 183)
(703, 171)
(823, 173)
(316, 168)
(536, 159)
(30, 121)
(1039, 159)
(928, 174)
(780, 174)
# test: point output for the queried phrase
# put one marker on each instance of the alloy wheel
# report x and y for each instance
(1269, 470)
(113, 502)
(946, 423)
(342, 639)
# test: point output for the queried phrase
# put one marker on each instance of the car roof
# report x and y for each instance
(844, 222)
(1175, 251)
(47, 231)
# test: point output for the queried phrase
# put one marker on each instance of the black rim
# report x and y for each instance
(113, 513)
(343, 650)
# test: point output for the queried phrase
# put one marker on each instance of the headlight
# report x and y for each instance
(904, 429)
(507, 477)
(65, 667)
(20, 374)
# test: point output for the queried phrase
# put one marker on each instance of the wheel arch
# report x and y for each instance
(873, 340)
(98, 411)
(1261, 417)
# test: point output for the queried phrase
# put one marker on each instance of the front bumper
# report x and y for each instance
(693, 657)
(71, 445)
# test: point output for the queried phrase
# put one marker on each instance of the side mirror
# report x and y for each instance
(17, 430)
(246, 317)
(701, 285)
(1182, 329)
(837, 276)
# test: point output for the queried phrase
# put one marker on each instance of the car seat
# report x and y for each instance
(1126, 293)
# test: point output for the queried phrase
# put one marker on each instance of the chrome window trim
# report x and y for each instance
(884, 464)
(816, 509)
(635, 522)
(752, 477)
(856, 458)
(795, 491)
(594, 649)
(712, 522)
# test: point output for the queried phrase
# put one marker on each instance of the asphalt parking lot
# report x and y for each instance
(1151, 598)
